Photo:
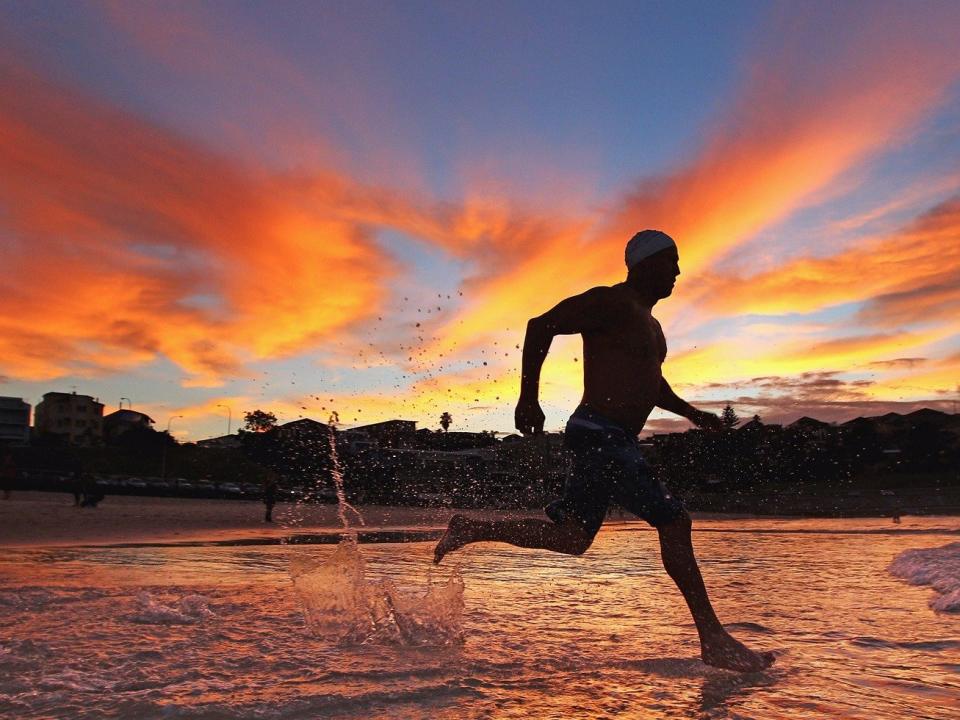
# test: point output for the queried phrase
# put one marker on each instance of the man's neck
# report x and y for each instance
(641, 294)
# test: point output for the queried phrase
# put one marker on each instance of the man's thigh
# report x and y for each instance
(586, 493)
(634, 487)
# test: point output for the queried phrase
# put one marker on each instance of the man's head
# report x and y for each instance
(653, 263)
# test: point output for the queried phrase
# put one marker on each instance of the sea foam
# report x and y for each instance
(938, 567)
(189, 610)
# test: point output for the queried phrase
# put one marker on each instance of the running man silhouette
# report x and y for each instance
(623, 351)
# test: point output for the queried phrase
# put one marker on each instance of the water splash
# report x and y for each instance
(337, 473)
(938, 567)
(342, 605)
(189, 610)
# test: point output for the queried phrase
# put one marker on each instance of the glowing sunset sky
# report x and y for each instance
(306, 207)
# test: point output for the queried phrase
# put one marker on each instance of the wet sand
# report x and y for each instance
(42, 519)
(225, 632)
(50, 519)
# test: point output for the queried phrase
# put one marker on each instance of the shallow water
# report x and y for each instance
(219, 631)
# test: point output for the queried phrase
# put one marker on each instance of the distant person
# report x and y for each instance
(8, 473)
(76, 484)
(92, 495)
(623, 350)
(269, 496)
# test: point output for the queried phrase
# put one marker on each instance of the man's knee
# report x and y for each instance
(679, 525)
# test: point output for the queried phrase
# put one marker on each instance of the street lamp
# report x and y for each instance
(129, 403)
(163, 464)
(229, 416)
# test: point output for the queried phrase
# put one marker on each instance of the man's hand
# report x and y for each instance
(528, 416)
(705, 420)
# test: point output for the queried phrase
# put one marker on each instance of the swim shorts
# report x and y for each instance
(609, 467)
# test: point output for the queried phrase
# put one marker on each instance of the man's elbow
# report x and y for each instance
(539, 327)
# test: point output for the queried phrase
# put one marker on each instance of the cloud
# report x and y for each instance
(909, 362)
(815, 104)
(909, 276)
(127, 241)
(805, 386)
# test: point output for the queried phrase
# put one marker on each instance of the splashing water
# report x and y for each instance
(342, 504)
(342, 605)
(938, 567)
(189, 610)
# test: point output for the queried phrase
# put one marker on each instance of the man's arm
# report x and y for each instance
(573, 316)
(671, 402)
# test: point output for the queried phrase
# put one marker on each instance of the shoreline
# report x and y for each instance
(42, 519)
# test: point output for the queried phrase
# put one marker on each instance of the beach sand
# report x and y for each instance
(44, 518)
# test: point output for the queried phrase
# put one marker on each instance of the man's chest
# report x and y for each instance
(638, 336)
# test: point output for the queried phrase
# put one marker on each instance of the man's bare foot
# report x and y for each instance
(456, 536)
(725, 651)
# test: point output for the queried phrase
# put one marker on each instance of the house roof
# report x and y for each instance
(127, 415)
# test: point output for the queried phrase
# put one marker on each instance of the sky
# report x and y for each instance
(208, 208)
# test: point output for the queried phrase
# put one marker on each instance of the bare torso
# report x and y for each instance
(622, 362)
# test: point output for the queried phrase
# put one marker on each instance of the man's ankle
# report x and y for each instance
(711, 633)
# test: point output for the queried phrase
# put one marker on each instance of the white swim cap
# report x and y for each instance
(644, 244)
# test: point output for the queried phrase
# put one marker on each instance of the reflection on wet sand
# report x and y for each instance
(219, 631)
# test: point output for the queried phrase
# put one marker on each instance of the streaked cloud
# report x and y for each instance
(775, 149)
(908, 276)
(129, 241)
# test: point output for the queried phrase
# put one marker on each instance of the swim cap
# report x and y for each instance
(644, 244)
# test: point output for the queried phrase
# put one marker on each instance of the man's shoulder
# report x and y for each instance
(604, 294)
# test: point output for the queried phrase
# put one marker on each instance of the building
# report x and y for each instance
(223, 441)
(117, 423)
(390, 433)
(78, 419)
(14, 420)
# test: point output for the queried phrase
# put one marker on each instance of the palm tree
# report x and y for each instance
(445, 421)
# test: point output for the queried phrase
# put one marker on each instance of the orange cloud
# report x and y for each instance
(128, 241)
(740, 358)
(910, 276)
(801, 122)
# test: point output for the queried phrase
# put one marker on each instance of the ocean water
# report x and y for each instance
(857, 610)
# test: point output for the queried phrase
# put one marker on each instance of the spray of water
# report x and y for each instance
(341, 604)
(336, 471)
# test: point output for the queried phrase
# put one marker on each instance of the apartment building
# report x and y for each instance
(78, 418)
(14, 420)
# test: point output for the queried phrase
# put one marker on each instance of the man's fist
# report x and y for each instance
(528, 416)
(706, 420)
